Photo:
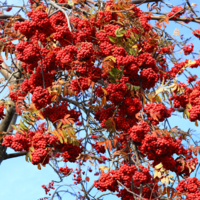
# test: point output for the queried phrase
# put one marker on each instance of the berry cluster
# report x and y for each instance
(190, 188)
(66, 171)
(176, 12)
(188, 49)
(40, 145)
(41, 97)
(157, 112)
(50, 186)
(125, 175)
(161, 149)
(98, 148)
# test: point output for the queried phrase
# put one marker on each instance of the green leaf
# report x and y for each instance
(110, 57)
(92, 9)
(76, 142)
(66, 125)
(119, 35)
(59, 124)
(186, 114)
(14, 127)
(136, 87)
(122, 32)
(111, 73)
(71, 3)
(116, 31)
(64, 132)
(132, 52)
(158, 99)
(115, 71)
(69, 139)
(22, 125)
(26, 121)
(112, 39)
(61, 140)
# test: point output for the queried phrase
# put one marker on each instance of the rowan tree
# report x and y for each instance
(94, 83)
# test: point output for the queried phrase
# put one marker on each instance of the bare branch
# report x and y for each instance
(14, 155)
(63, 11)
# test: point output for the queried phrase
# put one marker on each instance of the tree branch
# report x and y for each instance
(177, 19)
(10, 16)
(14, 155)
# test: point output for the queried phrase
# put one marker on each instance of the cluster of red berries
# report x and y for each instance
(41, 145)
(41, 97)
(98, 148)
(177, 11)
(65, 170)
(190, 188)
(57, 112)
(125, 175)
(50, 186)
(188, 49)
(157, 112)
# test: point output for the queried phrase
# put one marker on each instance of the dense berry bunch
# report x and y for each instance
(65, 170)
(80, 84)
(157, 112)
(161, 149)
(55, 113)
(63, 35)
(19, 142)
(28, 52)
(190, 188)
(148, 78)
(137, 133)
(39, 79)
(41, 97)
(70, 152)
(27, 28)
(180, 101)
(177, 11)
(67, 55)
(116, 92)
(86, 51)
(38, 143)
(188, 49)
(40, 156)
(126, 174)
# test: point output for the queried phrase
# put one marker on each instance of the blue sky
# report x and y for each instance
(22, 180)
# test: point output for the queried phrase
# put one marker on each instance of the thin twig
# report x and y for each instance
(63, 11)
